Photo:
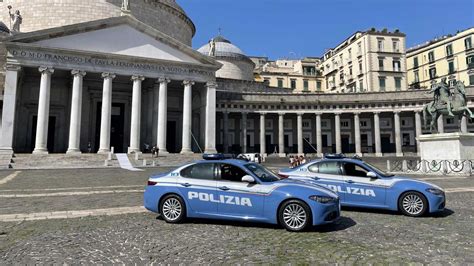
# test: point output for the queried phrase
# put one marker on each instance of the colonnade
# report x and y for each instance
(41, 137)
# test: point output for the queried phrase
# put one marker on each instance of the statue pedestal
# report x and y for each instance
(447, 146)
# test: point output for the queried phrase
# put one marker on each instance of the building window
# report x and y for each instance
(361, 85)
(396, 65)
(266, 81)
(350, 53)
(415, 62)
(396, 46)
(293, 83)
(360, 67)
(380, 44)
(470, 61)
(417, 76)
(431, 57)
(350, 71)
(305, 85)
(359, 47)
(449, 50)
(381, 64)
(318, 85)
(468, 43)
(451, 67)
(433, 73)
(382, 83)
(471, 80)
(280, 83)
(398, 84)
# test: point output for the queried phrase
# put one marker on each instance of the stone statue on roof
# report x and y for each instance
(125, 5)
(212, 47)
(15, 20)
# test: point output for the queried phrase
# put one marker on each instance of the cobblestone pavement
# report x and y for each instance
(106, 236)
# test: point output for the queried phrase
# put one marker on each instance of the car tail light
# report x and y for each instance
(283, 176)
(152, 183)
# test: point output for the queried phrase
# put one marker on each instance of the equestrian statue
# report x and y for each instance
(446, 101)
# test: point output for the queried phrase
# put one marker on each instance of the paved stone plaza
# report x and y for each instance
(95, 216)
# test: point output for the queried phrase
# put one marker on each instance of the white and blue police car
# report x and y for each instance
(232, 189)
(360, 184)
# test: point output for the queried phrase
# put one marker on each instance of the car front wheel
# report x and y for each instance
(295, 215)
(413, 204)
(172, 209)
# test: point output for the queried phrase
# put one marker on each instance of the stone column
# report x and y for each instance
(244, 132)
(41, 144)
(398, 135)
(9, 106)
(358, 148)
(319, 137)
(210, 143)
(299, 128)
(441, 124)
(281, 135)
(187, 117)
(464, 124)
(418, 131)
(105, 120)
(337, 122)
(378, 143)
(262, 134)
(76, 111)
(225, 133)
(162, 115)
(136, 114)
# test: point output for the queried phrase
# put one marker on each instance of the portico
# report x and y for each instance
(106, 97)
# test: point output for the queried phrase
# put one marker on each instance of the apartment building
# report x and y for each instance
(366, 62)
(298, 75)
(450, 57)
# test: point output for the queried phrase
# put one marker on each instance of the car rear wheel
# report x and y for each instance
(172, 209)
(413, 204)
(295, 215)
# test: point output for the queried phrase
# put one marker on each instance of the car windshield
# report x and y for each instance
(262, 173)
(377, 170)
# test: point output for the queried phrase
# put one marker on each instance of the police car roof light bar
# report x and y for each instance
(334, 156)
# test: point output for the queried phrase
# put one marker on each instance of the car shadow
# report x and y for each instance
(340, 224)
(442, 214)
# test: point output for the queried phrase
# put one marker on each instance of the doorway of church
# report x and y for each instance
(117, 122)
(171, 138)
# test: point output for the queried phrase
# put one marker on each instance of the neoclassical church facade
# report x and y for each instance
(93, 76)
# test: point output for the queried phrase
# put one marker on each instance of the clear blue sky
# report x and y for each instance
(285, 28)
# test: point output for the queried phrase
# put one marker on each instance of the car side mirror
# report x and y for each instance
(248, 179)
(372, 175)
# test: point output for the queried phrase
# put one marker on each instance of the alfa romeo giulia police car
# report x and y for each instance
(239, 190)
(360, 184)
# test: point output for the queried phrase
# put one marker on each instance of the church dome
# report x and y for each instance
(4, 29)
(164, 15)
(236, 65)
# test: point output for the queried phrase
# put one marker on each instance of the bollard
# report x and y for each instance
(109, 156)
(136, 156)
(144, 162)
(388, 166)
(404, 166)
(112, 150)
(153, 163)
(106, 163)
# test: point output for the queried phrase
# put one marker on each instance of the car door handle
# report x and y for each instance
(224, 188)
(350, 181)
(186, 185)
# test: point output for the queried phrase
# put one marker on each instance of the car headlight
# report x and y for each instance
(323, 199)
(435, 191)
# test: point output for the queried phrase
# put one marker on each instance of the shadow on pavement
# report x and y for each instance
(442, 214)
(341, 224)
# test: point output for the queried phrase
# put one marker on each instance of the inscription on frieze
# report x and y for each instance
(105, 62)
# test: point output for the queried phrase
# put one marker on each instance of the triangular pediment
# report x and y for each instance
(124, 36)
